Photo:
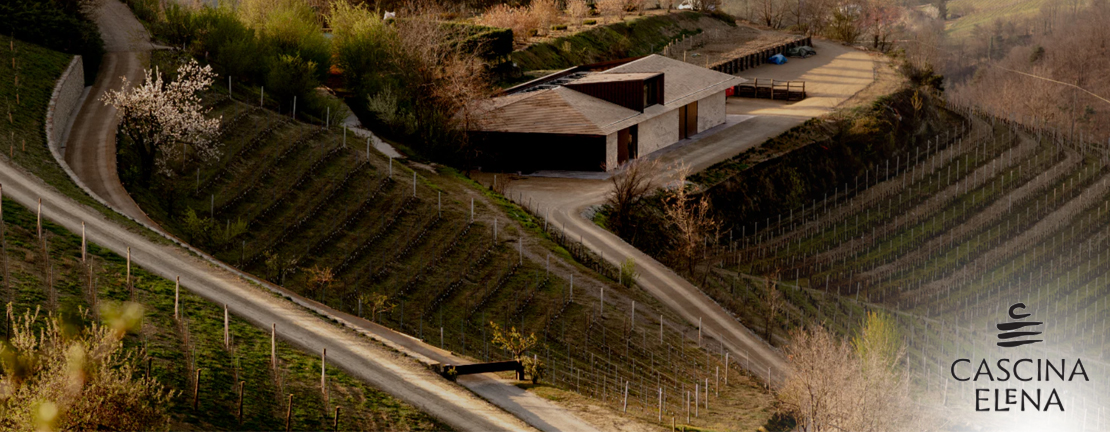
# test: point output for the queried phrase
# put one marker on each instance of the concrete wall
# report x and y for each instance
(64, 104)
(711, 111)
(611, 151)
(658, 132)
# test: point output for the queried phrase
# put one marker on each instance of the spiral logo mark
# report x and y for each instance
(1010, 337)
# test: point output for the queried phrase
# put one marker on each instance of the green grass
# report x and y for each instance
(639, 37)
(24, 137)
(162, 341)
(985, 12)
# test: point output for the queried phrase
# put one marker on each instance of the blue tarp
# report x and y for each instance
(778, 59)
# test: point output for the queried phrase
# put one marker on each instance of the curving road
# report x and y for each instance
(835, 75)
(91, 154)
(90, 150)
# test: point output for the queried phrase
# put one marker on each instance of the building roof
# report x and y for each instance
(613, 77)
(556, 109)
(680, 80)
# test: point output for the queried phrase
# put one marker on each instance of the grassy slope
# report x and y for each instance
(173, 361)
(985, 12)
(632, 38)
(441, 272)
(24, 139)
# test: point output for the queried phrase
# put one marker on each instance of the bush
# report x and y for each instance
(519, 20)
(559, 27)
(589, 22)
(291, 76)
(60, 25)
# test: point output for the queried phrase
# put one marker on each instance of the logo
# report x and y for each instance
(1009, 333)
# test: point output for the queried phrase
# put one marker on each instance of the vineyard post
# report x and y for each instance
(344, 132)
(367, 149)
(717, 385)
(660, 329)
(273, 348)
(601, 304)
(227, 334)
(177, 298)
(196, 389)
(229, 87)
(212, 206)
(335, 421)
(439, 203)
(294, 119)
(660, 404)
(624, 407)
(323, 373)
(472, 210)
(697, 398)
(414, 183)
(262, 99)
(520, 249)
(699, 331)
(289, 414)
(240, 413)
(38, 219)
(706, 390)
(726, 368)
(391, 167)
(572, 286)
(84, 254)
(495, 229)
(632, 317)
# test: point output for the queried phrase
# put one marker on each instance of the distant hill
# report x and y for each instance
(985, 12)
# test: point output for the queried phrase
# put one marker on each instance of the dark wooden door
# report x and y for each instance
(624, 138)
(682, 122)
(692, 118)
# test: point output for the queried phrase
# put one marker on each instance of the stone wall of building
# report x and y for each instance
(658, 132)
(711, 111)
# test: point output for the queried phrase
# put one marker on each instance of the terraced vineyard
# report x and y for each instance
(48, 273)
(947, 236)
(287, 199)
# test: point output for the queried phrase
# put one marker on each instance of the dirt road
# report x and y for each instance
(832, 77)
(90, 149)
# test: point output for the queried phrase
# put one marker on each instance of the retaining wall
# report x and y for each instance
(64, 104)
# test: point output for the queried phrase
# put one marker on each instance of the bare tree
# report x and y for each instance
(773, 304)
(378, 304)
(692, 220)
(631, 183)
(837, 385)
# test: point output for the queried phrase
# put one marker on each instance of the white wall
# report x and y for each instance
(711, 111)
(658, 132)
(64, 103)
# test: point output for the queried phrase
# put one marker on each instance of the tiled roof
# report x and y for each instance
(680, 80)
(559, 110)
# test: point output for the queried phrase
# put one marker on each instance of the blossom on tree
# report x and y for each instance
(164, 118)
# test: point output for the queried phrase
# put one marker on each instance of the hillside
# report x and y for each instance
(289, 203)
(54, 278)
(947, 234)
(984, 13)
(637, 37)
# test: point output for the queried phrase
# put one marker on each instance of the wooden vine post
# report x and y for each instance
(289, 414)
(196, 388)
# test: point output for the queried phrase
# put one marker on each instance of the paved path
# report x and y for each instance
(391, 372)
(90, 150)
(833, 76)
(90, 153)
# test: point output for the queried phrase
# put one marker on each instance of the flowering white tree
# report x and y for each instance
(162, 118)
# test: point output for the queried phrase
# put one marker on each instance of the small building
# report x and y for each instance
(596, 117)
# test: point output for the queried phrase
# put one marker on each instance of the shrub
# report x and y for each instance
(519, 20)
(545, 13)
(611, 7)
(58, 377)
(589, 22)
(578, 9)
(559, 27)
(289, 76)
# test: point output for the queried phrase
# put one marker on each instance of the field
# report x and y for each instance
(48, 273)
(288, 201)
(985, 12)
(946, 236)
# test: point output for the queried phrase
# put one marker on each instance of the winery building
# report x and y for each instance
(596, 117)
